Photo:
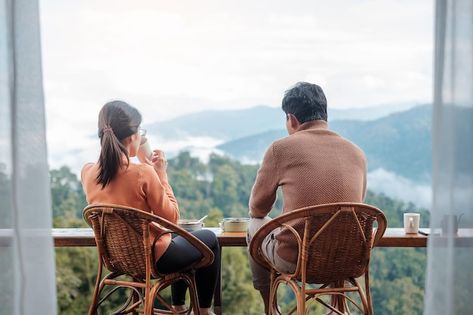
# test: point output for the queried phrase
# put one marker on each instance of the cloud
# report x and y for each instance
(87, 149)
(395, 186)
(223, 52)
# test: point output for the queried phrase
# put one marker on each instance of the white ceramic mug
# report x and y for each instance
(145, 149)
(411, 223)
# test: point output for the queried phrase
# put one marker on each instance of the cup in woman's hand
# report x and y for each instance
(145, 154)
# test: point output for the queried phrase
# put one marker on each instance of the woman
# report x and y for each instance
(113, 179)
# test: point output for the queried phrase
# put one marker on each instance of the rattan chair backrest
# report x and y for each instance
(120, 237)
(342, 250)
(335, 240)
(123, 239)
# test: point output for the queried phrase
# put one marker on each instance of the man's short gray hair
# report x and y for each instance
(306, 101)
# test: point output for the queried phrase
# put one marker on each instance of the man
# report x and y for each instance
(313, 165)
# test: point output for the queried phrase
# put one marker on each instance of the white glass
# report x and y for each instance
(411, 223)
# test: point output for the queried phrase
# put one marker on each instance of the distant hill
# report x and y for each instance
(400, 142)
(234, 124)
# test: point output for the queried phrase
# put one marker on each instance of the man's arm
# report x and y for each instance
(266, 184)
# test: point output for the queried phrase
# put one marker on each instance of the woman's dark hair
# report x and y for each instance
(306, 101)
(117, 120)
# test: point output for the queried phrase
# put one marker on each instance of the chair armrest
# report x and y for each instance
(257, 240)
(382, 225)
(207, 254)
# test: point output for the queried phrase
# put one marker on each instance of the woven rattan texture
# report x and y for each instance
(121, 242)
(339, 252)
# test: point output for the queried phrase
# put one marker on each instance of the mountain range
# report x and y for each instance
(233, 124)
(399, 142)
(394, 138)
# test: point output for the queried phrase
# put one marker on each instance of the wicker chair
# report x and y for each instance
(334, 243)
(122, 235)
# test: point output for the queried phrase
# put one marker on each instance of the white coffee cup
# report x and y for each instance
(144, 150)
(411, 223)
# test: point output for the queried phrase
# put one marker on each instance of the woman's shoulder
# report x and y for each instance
(145, 169)
(144, 173)
(87, 166)
(86, 169)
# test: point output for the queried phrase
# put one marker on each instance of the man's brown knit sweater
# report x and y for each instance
(313, 166)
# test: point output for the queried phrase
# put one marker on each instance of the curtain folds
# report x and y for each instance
(449, 283)
(27, 274)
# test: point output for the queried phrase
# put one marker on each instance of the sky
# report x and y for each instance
(168, 58)
(173, 57)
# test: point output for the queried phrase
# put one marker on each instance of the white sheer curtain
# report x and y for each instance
(449, 286)
(27, 279)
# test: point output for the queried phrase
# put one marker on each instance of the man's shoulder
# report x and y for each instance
(307, 136)
(351, 146)
(323, 138)
(286, 141)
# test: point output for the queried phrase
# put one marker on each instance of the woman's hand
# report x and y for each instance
(160, 164)
(143, 159)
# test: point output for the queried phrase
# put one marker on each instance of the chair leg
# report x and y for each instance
(97, 289)
(193, 295)
(366, 307)
(341, 301)
(154, 291)
(368, 293)
(135, 299)
(150, 296)
(299, 295)
(273, 294)
(361, 293)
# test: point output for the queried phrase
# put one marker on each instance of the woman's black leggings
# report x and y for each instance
(181, 254)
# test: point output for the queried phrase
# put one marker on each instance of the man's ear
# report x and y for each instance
(293, 122)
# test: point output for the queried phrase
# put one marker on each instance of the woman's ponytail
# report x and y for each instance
(111, 156)
(117, 120)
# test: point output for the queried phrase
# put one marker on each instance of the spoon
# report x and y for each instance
(202, 219)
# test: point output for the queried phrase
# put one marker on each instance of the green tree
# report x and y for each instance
(225, 188)
(239, 296)
(68, 198)
(214, 218)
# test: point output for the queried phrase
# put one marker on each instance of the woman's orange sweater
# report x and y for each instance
(136, 186)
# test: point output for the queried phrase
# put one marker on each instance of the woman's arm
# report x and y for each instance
(159, 195)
